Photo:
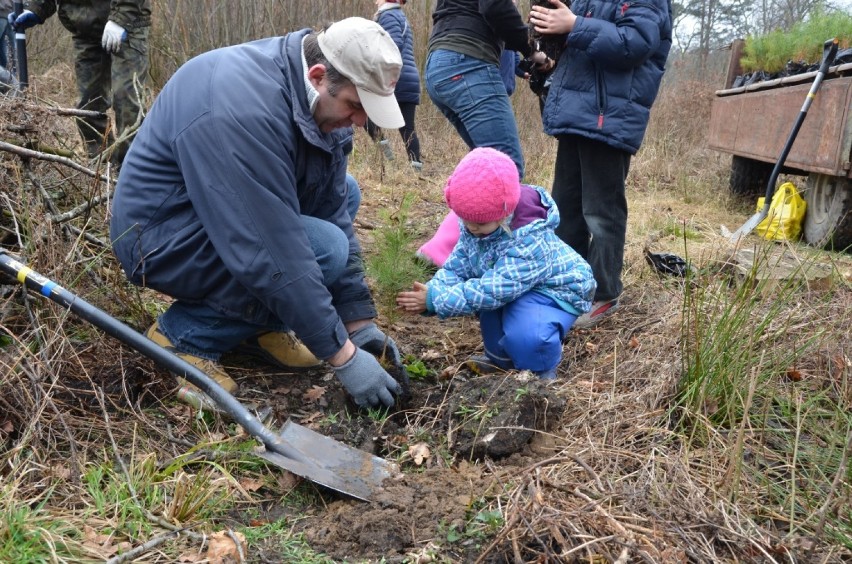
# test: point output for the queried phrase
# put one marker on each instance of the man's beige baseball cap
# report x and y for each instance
(364, 53)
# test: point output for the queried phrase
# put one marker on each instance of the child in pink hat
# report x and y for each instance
(508, 266)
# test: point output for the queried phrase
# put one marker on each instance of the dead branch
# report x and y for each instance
(67, 111)
(29, 153)
(81, 209)
(142, 548)
(47, 149)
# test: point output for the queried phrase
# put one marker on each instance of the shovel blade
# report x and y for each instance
(331, 463)
(748, 226)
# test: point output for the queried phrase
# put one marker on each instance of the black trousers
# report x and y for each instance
(588, 187)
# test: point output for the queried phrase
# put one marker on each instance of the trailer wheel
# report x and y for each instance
(828, 218)
(748, 176)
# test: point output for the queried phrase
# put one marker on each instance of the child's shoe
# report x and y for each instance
(549, 375)
(599, 312)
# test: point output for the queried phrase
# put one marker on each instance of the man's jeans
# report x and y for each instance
(471, 94)
(201, 331)
(526, 333)
(588, 188)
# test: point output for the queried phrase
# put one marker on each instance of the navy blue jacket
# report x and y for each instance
(208, 200)
(393, 20)
(609, 74)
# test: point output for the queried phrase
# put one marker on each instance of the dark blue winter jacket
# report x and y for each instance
(208, 200)
(609, 74)
(393, 20)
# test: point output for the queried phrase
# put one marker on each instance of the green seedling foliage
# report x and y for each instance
(803, 42)
(378, 414)
(416, 368)
(392, 265)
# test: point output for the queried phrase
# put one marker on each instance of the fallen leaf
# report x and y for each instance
(7, 427)
(98, 543)
(419, 453)
(60, 471)
(287, 480)
(634, 342)
(315, 394)
(222, 549)
(251, 484)
(591, 348)
(794, 375)
(191, 555)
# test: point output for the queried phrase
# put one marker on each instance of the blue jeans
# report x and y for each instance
(201, 331)
(471, 94)
(527, 333)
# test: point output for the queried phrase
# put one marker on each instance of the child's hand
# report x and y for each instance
(413, 301)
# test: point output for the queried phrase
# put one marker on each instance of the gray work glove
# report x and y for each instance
(366, 380)
(371, 339)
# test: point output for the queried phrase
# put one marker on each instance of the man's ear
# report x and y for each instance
(316, 74)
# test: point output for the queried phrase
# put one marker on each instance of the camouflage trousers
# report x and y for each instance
(107, 80)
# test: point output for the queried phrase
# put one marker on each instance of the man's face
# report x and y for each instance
(335, 111)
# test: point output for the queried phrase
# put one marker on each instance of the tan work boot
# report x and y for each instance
(280, 349)
(209, 367)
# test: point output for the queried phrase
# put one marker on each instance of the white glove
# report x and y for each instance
(114, 34)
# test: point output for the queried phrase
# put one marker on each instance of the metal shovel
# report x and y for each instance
(829, 51)
(296, 448)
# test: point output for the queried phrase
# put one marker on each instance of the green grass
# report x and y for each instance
(787, 437)
(287, 546)
(35, 535)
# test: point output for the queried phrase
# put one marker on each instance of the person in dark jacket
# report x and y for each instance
(111, 66)
(235, 202)
(598, 108)
(391, 17)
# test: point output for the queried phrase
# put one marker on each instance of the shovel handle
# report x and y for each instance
(21, 49)
(111, 326)
(829, 52)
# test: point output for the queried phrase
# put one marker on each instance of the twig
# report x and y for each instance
(66, 111)
(8, 147)
(241, 557)
(565, 458)
(81, 209)
(142, 548)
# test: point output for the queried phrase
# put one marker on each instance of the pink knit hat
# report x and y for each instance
(484, 187)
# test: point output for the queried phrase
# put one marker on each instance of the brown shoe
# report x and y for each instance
(280, 349)
(209, 367)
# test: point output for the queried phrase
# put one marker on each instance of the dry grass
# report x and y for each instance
(618, 481)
